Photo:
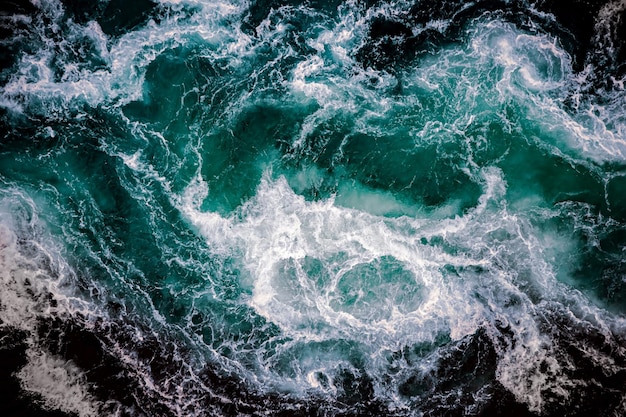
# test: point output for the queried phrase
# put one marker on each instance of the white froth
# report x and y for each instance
(35, 88)
(23, 281)
(280, 232)
(306, 260)
(26, 282)
(58, 384)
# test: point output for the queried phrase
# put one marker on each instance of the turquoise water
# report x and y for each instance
(313, 208)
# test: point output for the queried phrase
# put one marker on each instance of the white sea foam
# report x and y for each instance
(314, 271)
(530, 70)
(35, 87)
(305, 260)
(31, 288)
(58, 383)
(36, 285)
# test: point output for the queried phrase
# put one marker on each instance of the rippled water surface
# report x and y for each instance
(331, 208)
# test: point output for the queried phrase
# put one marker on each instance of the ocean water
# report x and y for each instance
(320, 208)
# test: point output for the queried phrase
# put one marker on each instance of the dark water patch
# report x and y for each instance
(577, 17)
(596, 267)
(234, 159)
(501, 403)
(386, 38)
(115, 17)
(601, 268)
(423, 30)
(16, 17)
(382, 163)
(398, 40)
(108, 377)
(119, 17)
(462, 382)
(580, 346)
(120, 386)
(173, 84)
(620, 33)
(41, 32)
(260, 10)
(21, 134)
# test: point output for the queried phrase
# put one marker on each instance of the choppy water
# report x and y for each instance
(313, 208)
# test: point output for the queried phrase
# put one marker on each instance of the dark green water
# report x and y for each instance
(313, 208)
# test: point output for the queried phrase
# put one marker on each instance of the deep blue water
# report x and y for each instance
(341, 208)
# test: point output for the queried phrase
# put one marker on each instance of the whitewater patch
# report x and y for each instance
(298, 292)
(34, 286)
(323, 272)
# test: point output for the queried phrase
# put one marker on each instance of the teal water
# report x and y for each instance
(277, 195)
